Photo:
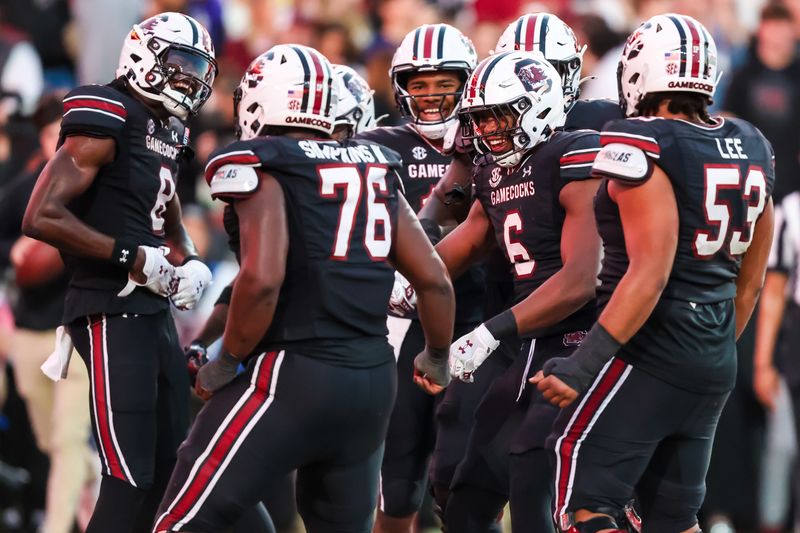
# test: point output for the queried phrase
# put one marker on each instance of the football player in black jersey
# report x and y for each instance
(534, 201)
(546, 34)
(428, 73)
(320, 227)
(355, 113)
(107, 202)
(686, 219)
(535, 198)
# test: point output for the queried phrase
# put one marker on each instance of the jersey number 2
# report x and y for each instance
(718, 211)
(349, 179)
(166, 191)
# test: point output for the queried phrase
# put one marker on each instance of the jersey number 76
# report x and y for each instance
(347, 181)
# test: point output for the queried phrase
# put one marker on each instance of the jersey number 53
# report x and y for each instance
(735, 234)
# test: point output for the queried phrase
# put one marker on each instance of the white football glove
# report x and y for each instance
(470, 351)
(193, 278)
(403, 299)
(160, 273)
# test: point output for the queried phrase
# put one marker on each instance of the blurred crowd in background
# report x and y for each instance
(49, 46)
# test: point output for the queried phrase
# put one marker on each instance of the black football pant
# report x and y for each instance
(511, 425)
(286, 412)
(412, 434)
(632, 432)
(139, 392)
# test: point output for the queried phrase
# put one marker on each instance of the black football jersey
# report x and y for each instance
(592, 114)
(523, 206)
(423, 167)
(128, 197)
(722, 176)
(423, 164)
(341, 203)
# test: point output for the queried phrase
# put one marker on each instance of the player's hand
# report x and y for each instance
(403, 299)
(430, 370)
(554, 390)
(469, 352)
(216, 374)
(193, 278)
(156, 274)
(766, 382)
(196, 357)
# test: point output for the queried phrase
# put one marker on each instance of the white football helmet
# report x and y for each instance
(431, 48)
(520, 85)
(288, 85)
(356, 106)
(169, 58)
(667, 53)
(555, 40)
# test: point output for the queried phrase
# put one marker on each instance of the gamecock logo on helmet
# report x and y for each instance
(532, 76)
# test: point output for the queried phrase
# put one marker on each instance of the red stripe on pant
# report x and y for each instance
(223, 446)
(99, 391)
(582, 419)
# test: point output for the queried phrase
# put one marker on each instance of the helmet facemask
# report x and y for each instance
(513, 102)
(183, 75)
(410, 104)
(508, 132)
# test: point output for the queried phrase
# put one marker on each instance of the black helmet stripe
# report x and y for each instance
(486, 72)
(415, 49)
(543, 20)
(195, 32)
(440, 42)
(518, 33)
(306, 78)
(684, 50)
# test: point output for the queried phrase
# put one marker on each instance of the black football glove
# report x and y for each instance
(196, 357)
(580, 369)
(433, 364)
(217, 373)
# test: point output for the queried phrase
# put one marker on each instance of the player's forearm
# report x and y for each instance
(745, 302)
(180, 243)
(215, 325)
(58, 227)
(632, 303)
(250, 313)
(458, 252)
(556, 299)
(436, 306)
(450, 201)
(770, 315)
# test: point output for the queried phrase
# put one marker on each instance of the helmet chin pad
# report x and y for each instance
(436, 130)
